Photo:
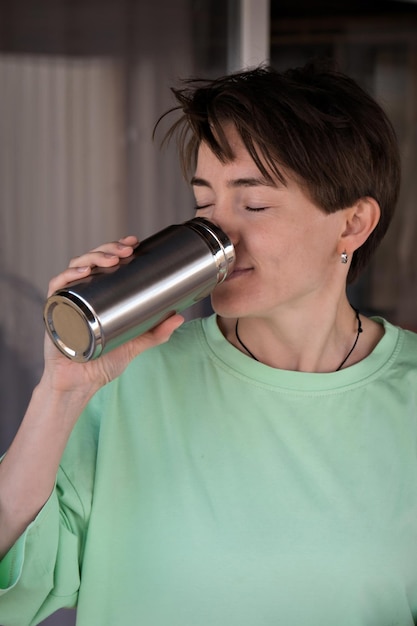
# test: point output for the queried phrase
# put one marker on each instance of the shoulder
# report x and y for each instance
(405, 352)
(407, 336)
(410, 344)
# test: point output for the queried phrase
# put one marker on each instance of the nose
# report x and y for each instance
(223, 218)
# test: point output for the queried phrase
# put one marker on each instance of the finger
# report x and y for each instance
(67, 276)
(155, 336)
(162, 332)
(95, 258)
(130, 241)
(112, 364)
(106, 255)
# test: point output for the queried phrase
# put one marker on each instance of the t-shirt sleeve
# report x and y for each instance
(40, 573)
(11, 565)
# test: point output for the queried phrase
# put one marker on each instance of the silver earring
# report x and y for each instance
(344, 257)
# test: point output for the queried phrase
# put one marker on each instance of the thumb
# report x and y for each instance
(157, 335)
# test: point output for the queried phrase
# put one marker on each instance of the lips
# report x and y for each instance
(238, 272)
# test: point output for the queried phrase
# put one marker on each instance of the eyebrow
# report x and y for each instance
(235, 182)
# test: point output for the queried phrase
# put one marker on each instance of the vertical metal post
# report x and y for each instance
(249, 33)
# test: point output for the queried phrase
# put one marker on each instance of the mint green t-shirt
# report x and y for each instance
(202, 488)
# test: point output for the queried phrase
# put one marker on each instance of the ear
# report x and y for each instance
(360, 220)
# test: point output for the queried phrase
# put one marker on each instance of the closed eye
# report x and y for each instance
(254, 209)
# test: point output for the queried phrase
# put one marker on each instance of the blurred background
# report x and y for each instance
(82, 83)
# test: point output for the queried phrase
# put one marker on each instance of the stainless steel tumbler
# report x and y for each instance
(167, 273)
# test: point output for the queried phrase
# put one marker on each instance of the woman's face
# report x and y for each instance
(287, 249)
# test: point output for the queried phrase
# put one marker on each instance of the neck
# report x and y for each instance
(320, 343)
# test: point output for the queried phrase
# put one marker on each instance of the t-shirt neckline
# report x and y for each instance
(372, 366)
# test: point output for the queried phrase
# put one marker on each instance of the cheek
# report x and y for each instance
(314, 239)
(299, 258)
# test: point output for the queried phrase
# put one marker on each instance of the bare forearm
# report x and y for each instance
(28, 471)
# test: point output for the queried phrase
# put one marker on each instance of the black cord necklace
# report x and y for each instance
(360, 329)
(242, 344)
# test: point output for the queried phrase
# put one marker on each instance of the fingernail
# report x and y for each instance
(83, 269)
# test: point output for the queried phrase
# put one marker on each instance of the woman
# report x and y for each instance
(258, 468)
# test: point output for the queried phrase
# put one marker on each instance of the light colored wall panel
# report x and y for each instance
(62, 178)
(62, 182)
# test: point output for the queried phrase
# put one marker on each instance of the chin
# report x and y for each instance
(236, 298)
(227, 306)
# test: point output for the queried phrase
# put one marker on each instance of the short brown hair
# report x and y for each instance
(313, 121)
